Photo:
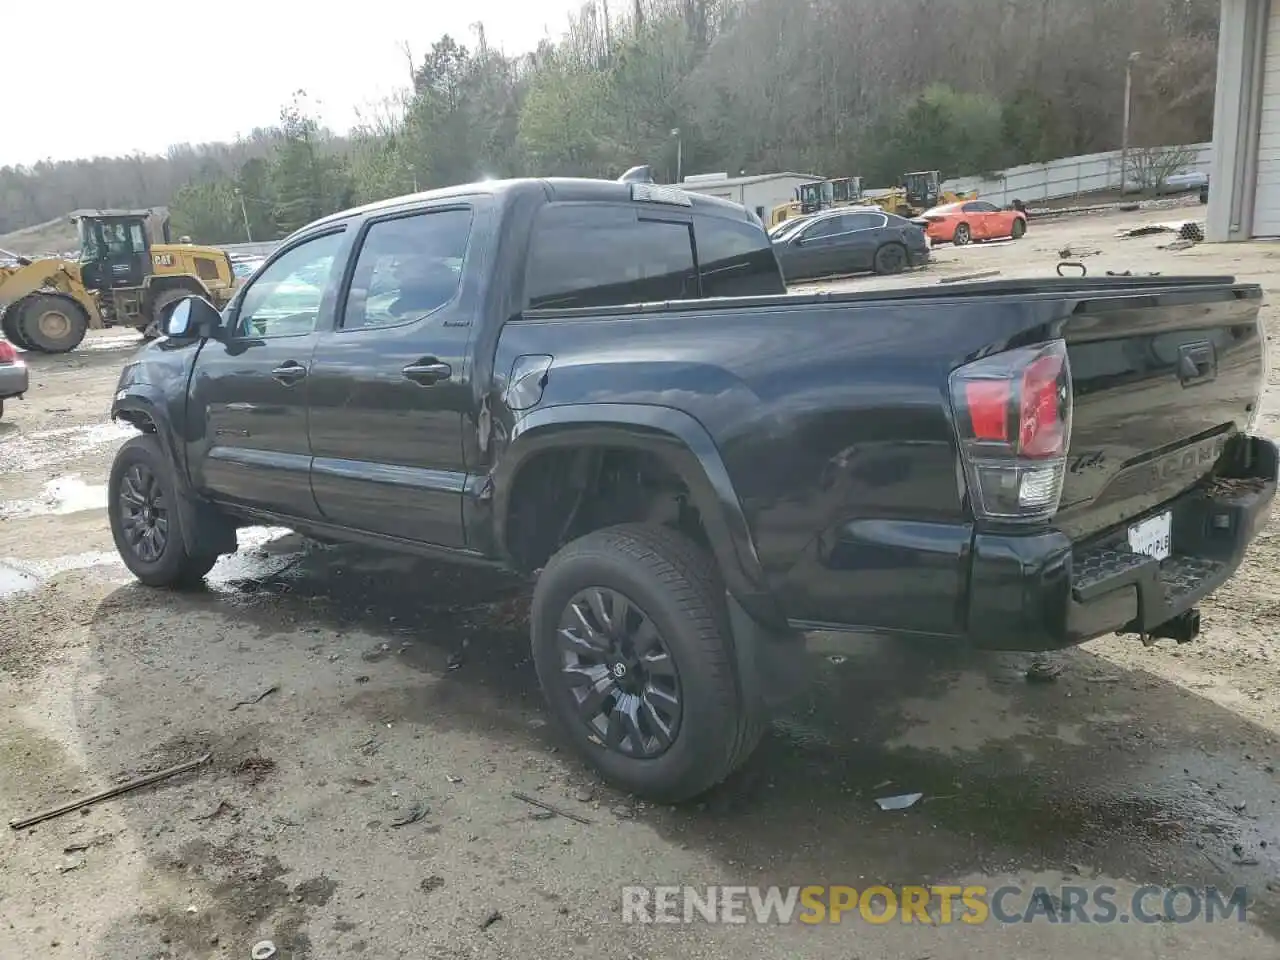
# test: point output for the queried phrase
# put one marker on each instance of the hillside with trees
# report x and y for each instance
(836, 87)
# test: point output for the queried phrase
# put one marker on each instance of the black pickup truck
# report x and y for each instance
(606, 386)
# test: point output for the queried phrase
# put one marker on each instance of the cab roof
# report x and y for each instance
(87, 214)
(563, 189)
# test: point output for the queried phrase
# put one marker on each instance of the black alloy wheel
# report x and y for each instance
(620, 674)
(631, 638)
(144, 513)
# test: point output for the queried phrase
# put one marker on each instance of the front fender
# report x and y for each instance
(145, 406)
(676, 437)
(203, 528)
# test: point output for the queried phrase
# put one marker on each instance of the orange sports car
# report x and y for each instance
(959, 223)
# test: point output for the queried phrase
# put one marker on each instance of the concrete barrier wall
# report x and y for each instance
(1068, 176)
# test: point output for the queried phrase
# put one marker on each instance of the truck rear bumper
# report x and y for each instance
(1044, 592)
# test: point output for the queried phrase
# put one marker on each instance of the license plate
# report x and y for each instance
(1153, 536)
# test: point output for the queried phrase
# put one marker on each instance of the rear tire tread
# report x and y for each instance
(690, 577)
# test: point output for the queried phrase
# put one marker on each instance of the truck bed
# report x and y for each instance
(830, 411)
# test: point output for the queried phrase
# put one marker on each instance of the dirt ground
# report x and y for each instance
(363, 808)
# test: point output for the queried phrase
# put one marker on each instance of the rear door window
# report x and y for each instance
(864, 221)
(595, 255)
(735, 259)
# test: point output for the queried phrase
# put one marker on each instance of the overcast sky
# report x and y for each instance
(84, 78)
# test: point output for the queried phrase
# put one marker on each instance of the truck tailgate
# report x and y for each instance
(1161, 379)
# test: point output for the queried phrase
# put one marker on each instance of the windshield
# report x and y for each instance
(787, 227)
(90, 248)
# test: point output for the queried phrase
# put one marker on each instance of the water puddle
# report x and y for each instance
(77, 561)
(259, 557)
(42, 448)
(59, 497)
(14, 580)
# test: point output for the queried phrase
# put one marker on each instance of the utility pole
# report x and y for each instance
(1124, 136)
(244, 212)
(679, 155)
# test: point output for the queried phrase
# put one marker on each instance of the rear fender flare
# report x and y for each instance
(677, 438)
(193, 285)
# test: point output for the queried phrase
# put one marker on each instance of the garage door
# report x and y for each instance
(1266, 212)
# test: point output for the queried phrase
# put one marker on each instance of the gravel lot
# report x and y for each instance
(402, 691)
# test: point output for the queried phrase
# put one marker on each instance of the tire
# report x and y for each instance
(141, 477)
(51, 324)
(1019, 228)
(12, 332)
(675, 586)
(160, 308)
(962, 236)
(891, 258)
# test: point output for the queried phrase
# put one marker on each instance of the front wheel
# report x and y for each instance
(143, 509)
(51, 324)
(962, 235)
(1019, 228)
(12, 332)
(632, 646)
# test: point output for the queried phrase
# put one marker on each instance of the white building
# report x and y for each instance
(760, 193)
(1244, 185)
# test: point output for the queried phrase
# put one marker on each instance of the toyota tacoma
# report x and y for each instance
(606, 387)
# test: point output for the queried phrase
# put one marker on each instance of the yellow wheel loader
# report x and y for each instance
(918, 192)
(821, 195)
(129, 273)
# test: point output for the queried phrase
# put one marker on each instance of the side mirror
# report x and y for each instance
(191, 317)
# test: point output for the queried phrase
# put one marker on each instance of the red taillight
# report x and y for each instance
(1041, 431)
(988, 402)
(1013, 422)
(7, 353)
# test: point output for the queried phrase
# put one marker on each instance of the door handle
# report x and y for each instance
(289, 372)
(427, 371)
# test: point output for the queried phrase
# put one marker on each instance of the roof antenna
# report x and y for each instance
(640, 174)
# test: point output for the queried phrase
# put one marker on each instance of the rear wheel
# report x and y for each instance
(51, 324)
(146, 524)
(962, 235)
(1019, 228)
(632, 646)
(891, 258)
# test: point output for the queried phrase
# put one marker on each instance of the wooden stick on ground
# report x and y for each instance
(549, 808)
(108, 793)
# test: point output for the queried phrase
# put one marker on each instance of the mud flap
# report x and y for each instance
(773, 667)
